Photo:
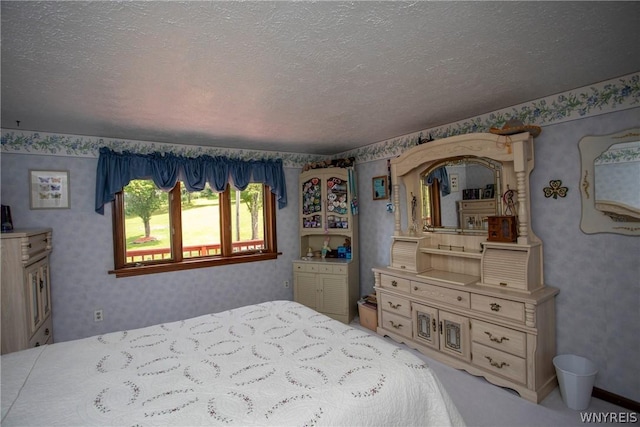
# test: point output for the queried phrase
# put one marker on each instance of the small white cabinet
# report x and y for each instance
(26, 289)
(328, 285)
(323, 287)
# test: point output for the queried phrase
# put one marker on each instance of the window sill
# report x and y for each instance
(190, 264)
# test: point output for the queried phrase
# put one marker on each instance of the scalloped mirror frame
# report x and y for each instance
(593, 220)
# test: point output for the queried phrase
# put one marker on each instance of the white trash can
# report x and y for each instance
(576, 376)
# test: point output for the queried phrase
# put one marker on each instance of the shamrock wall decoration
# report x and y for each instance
(555, 189)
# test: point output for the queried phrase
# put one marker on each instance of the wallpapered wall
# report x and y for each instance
(598, 275)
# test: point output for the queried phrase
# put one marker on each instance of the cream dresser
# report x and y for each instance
(26, 289)
(453, 294)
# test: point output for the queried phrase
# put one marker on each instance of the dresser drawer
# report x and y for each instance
(34, 245)
(504, 364)
(498, 307)
(396, 305)
(440, 294)
(500, 338)
(43, 335)
(398, 324)
(479, 205)
(392, 282)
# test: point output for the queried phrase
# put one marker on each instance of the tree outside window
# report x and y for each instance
(157, 231)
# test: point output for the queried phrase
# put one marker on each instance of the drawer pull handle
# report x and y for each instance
(29, 245)
(394, 283)
(433, 322)
(494, 339)
(415, 288)
(46, 332)
(395, 307)
(503, 283)
(397, 326)
(37, 344)
(495, 307)
(496, 364)
(459, 298)
(403, 266)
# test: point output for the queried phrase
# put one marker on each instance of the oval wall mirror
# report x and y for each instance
(609, 183)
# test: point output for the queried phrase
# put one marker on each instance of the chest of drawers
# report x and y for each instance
(508, 337)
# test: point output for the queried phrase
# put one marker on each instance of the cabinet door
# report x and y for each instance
(425, 324)
(45, 289)
(454, 335)
(311, 204)
(34, 306)
(337, 203)
(333, 294)
(305, 289)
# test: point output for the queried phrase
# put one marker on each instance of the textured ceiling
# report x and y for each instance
(306, 77)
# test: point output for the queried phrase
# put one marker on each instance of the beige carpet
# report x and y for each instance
(483, 404)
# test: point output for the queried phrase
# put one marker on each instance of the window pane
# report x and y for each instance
(200, 223)
(147, 226)
(247, 218)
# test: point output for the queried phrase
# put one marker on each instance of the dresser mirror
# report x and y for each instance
(459, 193)
(609, 183)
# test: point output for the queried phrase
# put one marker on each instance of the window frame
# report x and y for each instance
(178, 263)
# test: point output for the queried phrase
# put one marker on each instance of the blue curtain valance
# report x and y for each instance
(116, 170)
(441, 175)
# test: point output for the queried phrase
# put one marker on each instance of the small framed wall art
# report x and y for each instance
(49, 189)
(379, 184)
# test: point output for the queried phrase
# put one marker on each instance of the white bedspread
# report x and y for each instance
(276, 363)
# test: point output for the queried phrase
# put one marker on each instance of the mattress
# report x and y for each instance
(275, 363)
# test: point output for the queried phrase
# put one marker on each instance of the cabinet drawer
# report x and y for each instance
(507, 365)
(398, 324)
(498, 307)
(332, 269)
(505, 339)
(340, 269)
(308, 268)
(392, 282)
(43, 335)
(440, 294)
(396, 305)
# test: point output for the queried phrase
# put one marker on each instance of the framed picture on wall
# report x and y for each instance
(379, 186)
(49, 189)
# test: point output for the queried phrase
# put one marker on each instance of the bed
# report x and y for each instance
(275, 363)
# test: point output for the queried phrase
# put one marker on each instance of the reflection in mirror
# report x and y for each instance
(609, 183)
(614, 169)
(460, 193)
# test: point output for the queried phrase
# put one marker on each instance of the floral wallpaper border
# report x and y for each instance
(626, 153)
(615, 94)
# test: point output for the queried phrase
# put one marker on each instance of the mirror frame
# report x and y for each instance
(491, 165)
(514, 152)
(592, 220)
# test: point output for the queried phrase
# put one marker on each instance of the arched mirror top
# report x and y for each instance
(609, 183)
(500, 148)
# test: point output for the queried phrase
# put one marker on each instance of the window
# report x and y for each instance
(157, 231)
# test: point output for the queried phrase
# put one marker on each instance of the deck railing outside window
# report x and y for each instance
(149, 254)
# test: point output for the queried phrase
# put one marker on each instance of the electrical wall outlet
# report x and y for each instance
(286, 283)
(97, 316)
